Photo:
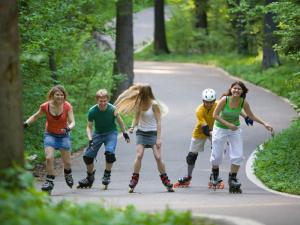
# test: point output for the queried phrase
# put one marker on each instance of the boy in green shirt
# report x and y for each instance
(102, 117)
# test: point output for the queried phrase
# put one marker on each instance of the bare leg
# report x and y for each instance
(138, 159)
(66, 158)
(108, 166)
(49, 151)
(234, 168)
(157, 155)
(90, 168)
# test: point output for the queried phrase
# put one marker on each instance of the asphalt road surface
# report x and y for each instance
(179, 87)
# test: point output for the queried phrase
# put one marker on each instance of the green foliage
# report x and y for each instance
(139, 5)
(189, 39)
(15, 179)
(181, 17)
(246, 16)
(23, 205)
(288, 18)
(31, 208)
(65, 29)
(277, 165)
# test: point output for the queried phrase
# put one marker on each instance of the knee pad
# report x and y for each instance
(88, 160)
(110, 157)
(191, 158)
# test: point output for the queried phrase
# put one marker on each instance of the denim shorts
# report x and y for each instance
(109, 140)
(57, 141)
(146, 138)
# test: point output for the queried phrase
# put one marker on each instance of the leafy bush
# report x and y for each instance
(20, 204)
(189, 39)
(287, 16)
(63, 30)
(181, 40)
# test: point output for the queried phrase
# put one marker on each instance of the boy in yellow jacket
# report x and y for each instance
(201, 133)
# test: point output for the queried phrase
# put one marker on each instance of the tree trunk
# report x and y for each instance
(124, 45)
(270, 57)
(160, 41)
(11, 130)
(52, 66)
(201, 14)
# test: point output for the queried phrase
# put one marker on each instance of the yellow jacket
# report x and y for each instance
(204, 117)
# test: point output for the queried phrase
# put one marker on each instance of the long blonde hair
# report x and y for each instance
(135, 98)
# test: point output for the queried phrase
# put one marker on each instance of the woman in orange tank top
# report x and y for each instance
(59, 122)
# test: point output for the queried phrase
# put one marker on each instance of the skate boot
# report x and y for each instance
(88, 181)
(234, 184)
(183, 182)
(69, 178)
(215, 182)
(48, 185)
(133, 182)
(166, 182)
(106, 179)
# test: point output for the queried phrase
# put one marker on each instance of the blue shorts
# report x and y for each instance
(57, 141)
(146, 138)
(109, 140)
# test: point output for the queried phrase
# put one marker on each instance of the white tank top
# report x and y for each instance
(147, 121)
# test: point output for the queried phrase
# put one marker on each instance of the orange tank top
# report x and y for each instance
(54, 124)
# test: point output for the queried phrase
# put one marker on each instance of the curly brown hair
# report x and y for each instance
(55, 89)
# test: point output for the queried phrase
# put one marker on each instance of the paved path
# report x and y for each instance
(179, 86)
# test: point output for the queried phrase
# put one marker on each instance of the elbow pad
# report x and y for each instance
(205, 130)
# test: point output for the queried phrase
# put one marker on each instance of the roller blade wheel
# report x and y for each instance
(88, 181)
(47, 191)
(219, 185)
(181, 185)
(170, 189)
(104, 187)
(131, 190)
(84, 183)
(235, 190)
(84, 186)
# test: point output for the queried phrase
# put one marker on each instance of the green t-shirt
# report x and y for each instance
(229, 114)
(104, 121)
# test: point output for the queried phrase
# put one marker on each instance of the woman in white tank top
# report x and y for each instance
(140, 100)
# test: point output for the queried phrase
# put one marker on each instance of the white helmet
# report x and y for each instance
(209, 95)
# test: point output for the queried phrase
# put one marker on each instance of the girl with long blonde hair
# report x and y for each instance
(139, 99)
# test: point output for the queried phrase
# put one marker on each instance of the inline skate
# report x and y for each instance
(234, 184)
(88, 181)
(133, 182)
(215, 182)
(69, 178)
(166, 182)
(49, 184)
(183, 182)
(106, 179)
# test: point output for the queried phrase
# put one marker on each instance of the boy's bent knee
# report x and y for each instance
(88, 160)
(191, 158)
(110, 157)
